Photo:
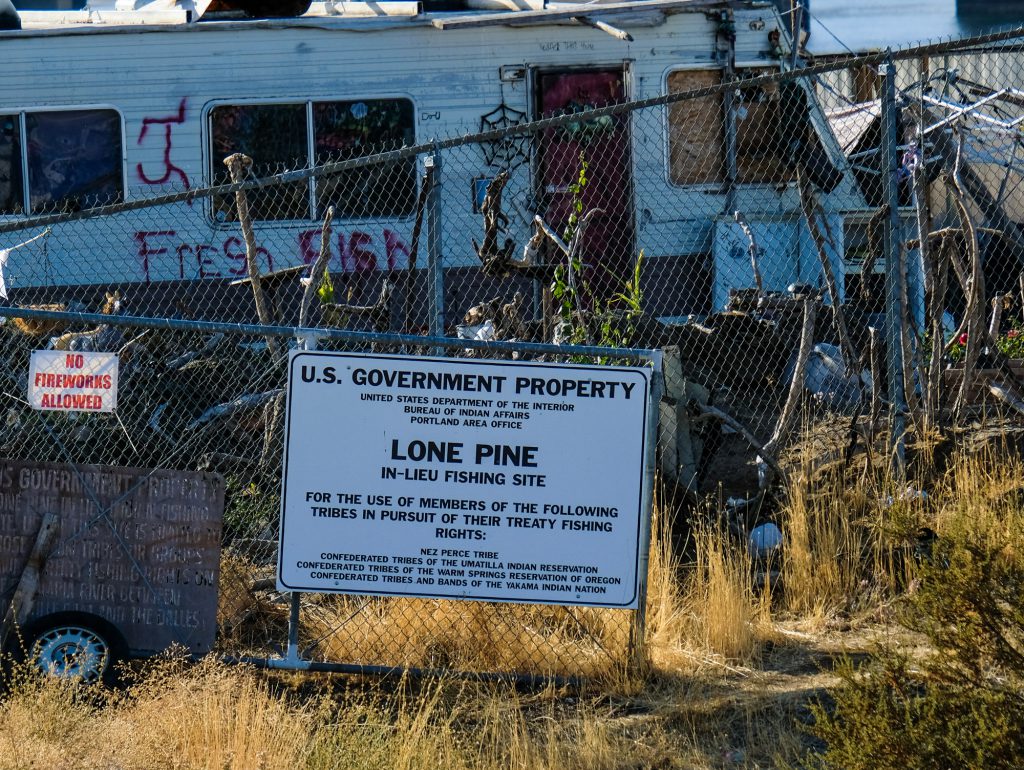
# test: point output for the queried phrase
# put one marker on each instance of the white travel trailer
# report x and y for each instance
(125, 100)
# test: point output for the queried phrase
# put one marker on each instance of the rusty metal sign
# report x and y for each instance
(138, 548)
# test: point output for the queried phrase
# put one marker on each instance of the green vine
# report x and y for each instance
(617, 319)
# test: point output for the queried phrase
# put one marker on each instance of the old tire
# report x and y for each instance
(75, 645)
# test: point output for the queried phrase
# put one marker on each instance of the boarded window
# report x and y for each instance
(696, 130)
(10, 166)
(278, 137)
(275, 137)
(74, 159)
(344, 130)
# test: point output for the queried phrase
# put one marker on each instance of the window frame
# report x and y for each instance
(308, 102)
(21, 112)
(717, 186)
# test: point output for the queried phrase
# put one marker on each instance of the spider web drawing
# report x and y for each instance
(508, 151)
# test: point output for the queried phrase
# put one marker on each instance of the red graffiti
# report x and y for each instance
(166, 255)
(193, 260)
(355, 251)
(169, 168)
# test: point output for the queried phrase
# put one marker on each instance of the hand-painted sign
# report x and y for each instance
(72, 382)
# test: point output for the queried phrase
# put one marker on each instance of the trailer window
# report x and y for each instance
(278, 138)
(10, 166)
(696, 131)
(274, 136)
(344, 130)
(74, 159)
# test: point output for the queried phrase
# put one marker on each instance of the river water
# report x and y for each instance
(870, 24)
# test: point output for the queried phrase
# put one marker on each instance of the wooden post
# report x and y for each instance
(25, 593)
(796, 389)
(876, 383)
(238, 164)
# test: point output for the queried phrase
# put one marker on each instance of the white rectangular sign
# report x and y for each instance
(69, 381)
(447, 478)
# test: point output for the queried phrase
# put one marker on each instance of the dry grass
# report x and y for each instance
(725, 682)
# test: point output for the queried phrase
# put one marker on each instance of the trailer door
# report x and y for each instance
(604, 144)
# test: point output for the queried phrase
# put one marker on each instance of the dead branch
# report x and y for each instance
(495, 258)
(238, 164)
(414, 248)
(974, 315)
(714, 412)
(998, 304)
(796, 388)
(249, 401)
(876, 382)
(212, 343)
(1001, 392)
(316, 273)
(937, 305)
(545, 228)
(751, 250)
(810, 207)
(378, 314)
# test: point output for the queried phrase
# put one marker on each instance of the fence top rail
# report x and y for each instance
(320, 333)
(965, 45)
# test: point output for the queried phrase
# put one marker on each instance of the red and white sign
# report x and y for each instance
(63, 381)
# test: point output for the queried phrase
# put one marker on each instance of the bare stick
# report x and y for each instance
(316, 274)
(726, 419)
(1000, 391)
(974, 315)
(997, 315)
(796, 386)
(555, 238)
(876, 382)
(809, 206)
(414, 248)
(938, 302)
(249, 401)
(238, 164)
(751, 249)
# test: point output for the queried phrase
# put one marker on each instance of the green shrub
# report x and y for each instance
(962, 706)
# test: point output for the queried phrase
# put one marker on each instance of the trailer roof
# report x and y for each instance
(129, 16)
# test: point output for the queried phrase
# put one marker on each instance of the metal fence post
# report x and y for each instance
(893, 268)
(637, 648)
(435, 262)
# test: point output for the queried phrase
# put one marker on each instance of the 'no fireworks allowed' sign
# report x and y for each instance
(60, 381)
(464, 479)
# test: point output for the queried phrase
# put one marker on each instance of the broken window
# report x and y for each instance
(11, 192)
(74, 159)
(278, 138)
(696, 131)
(344, 130)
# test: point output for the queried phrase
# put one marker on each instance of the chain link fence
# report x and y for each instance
(763, 228)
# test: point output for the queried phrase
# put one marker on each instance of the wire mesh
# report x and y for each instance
(735, 222)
